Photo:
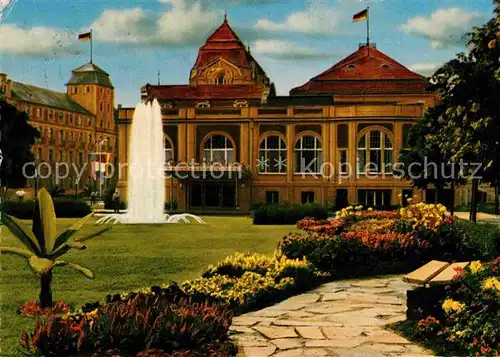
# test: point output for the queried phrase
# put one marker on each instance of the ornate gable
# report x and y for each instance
(223, 59)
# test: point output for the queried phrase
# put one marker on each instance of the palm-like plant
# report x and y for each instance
(44, 246)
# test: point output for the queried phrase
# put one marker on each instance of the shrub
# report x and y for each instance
(249, 281)
(482, 237)
(287, 213)
(64, 208)
(236, 265)
(355, 253)
(133, 326)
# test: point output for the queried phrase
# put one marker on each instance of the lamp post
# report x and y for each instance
(36, 179)
(100, 173)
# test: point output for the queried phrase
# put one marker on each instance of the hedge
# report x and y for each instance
(65, 208)
(287, 213)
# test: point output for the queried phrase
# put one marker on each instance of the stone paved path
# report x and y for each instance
(344, 318)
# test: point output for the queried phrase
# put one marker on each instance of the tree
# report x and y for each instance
(469, 85)
(43, 246)
(17, 138)
(424, 163)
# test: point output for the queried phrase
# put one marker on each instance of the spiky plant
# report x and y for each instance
(44, 246)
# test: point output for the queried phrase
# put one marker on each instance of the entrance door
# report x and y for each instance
(213, 193)
(228, 195)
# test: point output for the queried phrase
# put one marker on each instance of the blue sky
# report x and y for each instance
(292, 40)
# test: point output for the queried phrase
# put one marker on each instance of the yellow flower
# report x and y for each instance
(450, 305)
(369, 209)
(460, 333)
(475, 266)
(491, 284)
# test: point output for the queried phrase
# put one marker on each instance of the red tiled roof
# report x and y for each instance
(225, 43)
(365, 71)
(364, 87)
(201, 92)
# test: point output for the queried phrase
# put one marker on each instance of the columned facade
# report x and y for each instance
(289, 154)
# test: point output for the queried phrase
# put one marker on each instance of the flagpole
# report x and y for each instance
(90, 45)
(368, 26)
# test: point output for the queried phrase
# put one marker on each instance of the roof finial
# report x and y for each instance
(225, 15)
(248, 48)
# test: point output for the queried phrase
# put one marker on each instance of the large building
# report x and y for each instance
(77, 127)
(331, 141)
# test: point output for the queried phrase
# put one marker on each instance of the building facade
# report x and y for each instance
(231, 142)
(77, 127)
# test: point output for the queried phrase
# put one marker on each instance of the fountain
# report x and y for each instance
(146, 176)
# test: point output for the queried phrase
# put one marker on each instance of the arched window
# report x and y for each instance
(308, 155)
(272, 155)
(169, 150)
(218, 148)
(375, 152)
(220, 79)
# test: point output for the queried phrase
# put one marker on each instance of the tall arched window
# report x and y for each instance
(218, 148)
(308, 155)
(169, 150)
(272, 155)
(375, 152)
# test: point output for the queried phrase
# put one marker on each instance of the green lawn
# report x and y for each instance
(126, 258)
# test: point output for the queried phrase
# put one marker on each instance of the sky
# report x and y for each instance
(293, 40)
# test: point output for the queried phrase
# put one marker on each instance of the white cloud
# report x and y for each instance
(124, 26)
(444, 27)
(287, 50)
(317, 19)
(426, 69)
(35, 41)
(184, 23)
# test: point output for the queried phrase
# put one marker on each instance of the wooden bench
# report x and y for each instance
(432, 278)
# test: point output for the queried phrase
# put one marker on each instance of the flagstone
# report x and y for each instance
(259, 351)
(287, 343)
(338, 343)
(345, 318)
(309, 322)
(317, 352)
(310, 332)
(276, 332)
(298, 352)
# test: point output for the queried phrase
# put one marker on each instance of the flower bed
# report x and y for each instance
(359, 242)
(470, 319)
(250, 281)
(136, 327)
(187, 320)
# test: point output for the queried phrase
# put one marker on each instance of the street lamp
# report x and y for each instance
(99, 147)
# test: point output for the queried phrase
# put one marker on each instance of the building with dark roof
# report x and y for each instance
(77, 126)
(333, 140)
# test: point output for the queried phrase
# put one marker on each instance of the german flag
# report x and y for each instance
(85, 36)
(360, 16)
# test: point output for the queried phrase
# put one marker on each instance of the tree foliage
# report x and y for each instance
(17, 138)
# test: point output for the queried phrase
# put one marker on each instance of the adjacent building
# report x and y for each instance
(77, 126)
(330, 141)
